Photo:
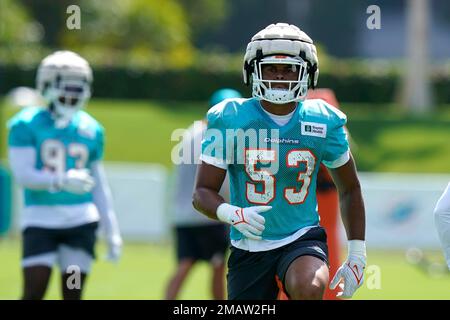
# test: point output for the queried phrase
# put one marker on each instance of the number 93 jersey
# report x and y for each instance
(57, 149)
(275, 165)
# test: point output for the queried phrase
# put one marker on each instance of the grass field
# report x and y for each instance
(144, 269)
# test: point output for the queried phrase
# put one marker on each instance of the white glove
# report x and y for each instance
(248, 221)
(114, 249)
(352, 271)
(77, 181)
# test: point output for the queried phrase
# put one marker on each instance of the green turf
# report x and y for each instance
(145, 268)
(384, 138)
(142, 273)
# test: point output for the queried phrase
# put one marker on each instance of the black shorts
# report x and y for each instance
(252, 275)
(201, 242)
(38, 240)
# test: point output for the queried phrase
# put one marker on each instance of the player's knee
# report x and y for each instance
(306, 291)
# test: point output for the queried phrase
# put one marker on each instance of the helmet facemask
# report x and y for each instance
(281, 43)
(280, 91)
(64, 79)
(67, 96)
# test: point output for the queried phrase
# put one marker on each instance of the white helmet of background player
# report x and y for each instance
(64, 79)
(281, 43)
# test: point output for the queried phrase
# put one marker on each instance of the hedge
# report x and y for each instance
(198, 84)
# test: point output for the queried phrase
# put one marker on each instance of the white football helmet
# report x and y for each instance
(281, 43)
(64, 79)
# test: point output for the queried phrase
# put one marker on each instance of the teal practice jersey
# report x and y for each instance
(57, 149)
(275, 165)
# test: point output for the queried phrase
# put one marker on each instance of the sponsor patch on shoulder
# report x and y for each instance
(314, 129)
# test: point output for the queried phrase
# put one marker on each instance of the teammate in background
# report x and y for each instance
(55, 154)
(442, 221)
(275, 230)
(197, 237)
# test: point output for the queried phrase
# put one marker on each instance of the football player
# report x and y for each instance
(276, 234)
(55, 154)
(442, 221)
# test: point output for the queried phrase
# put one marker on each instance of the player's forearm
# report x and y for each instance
(207, 201)
(102, 199)
(353, 212)
(36, 180)
(22, 165)
(442, 222)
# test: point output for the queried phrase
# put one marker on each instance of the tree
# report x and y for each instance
(146, 31)
(20, 34)
(205, 16)
(17, 26)
(51, 17)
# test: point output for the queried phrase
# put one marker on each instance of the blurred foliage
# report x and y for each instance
(205, 16)
(20, 35)
(51, 16)
(16, 25)
(135, 33)
(149, 32)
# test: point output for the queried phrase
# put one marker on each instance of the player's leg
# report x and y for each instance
(39, 255)
(75, 265)
(176, 281)
(303, 268)
(35, 282)
(186, 258)
(71, 287)
(212, 243)
(218, 276)
(75, 257)
(306, 278)
(442, 221)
